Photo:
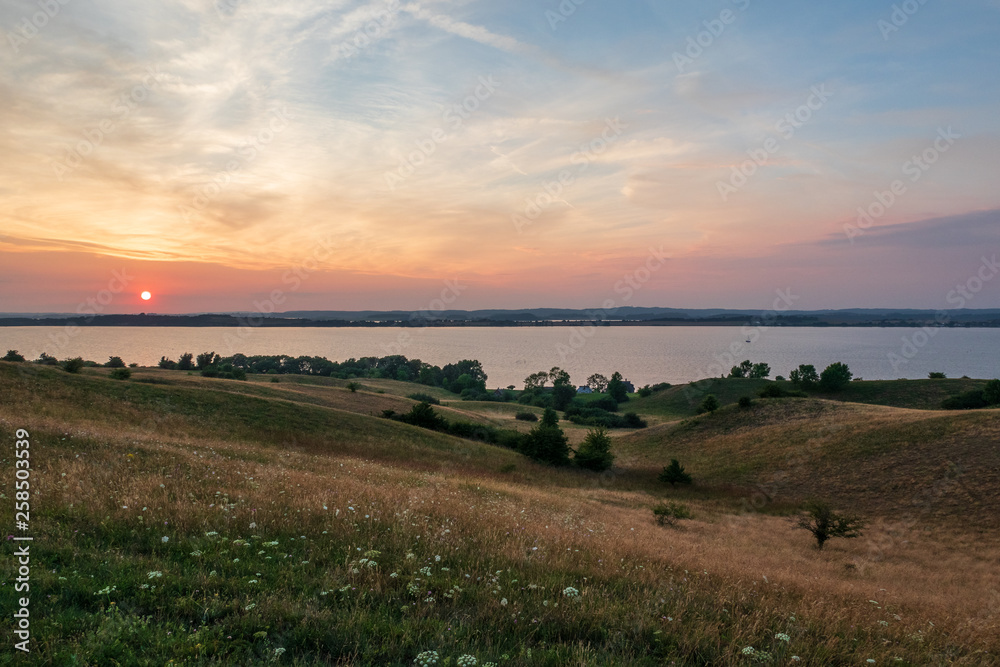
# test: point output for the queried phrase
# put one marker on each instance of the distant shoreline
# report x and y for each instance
(418, 321)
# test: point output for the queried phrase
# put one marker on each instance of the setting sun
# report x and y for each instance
(146, 296)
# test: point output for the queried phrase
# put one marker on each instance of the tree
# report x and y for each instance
(563, 390)
(616, 388)
(546, 442)
(536, 381)
(710, 404)
(595, 451)
(805, 375)
(598, 383)
(13, 355)
(168, 364)
(674, 474)
(991, 392)
(835, 377)
(120, 373)
(207, 359)
(741, 371)
(824, 523)
(186, 362)
(73, 365)
(115, 362)
(759, 371)
(936, 375)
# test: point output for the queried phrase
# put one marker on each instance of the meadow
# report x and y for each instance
(179, 519)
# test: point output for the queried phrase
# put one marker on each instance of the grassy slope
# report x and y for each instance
(119, 465)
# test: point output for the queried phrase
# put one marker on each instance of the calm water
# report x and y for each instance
(642, 354)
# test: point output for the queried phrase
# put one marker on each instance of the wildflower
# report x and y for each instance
(253, 524)
(278, 651)
(781, 636)
(394, 575)
(437, 559)
(570, 592)
(503, 602)
(426, 571)
(795, 658)
(426, 658)
(467, 660)
(253, 581)
(154, 574)
(249, 607)
(749, 650)
(196, 553)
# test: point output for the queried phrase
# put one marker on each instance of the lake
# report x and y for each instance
(644, 355)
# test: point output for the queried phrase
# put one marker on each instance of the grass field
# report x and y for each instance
(185, 520)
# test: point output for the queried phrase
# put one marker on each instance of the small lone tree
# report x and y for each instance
(824, 523)
(115, 362)
(616, 387)
(597, 383)
(13, 355)
(759, 371)
(595, 451)
(73, 365)
(805, 375)
(674, 474)
(547, 442)
(835, 377)
(186, 362)
(710, 404)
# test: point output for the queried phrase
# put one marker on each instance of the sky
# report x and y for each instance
(238, 155)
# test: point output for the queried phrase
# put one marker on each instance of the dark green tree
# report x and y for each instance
(824, 523)
(536, 381)
(186, 362)
(710, 404)
(674, 474)
(597, 383)
(616, 387)
(73, 365)
(595, 451)
(759, 371)
(13, 355)
(741, 371)
(563, 390)
(991, 392)
(546, 442)
(805, 375)
(115, 362)
(835, 377)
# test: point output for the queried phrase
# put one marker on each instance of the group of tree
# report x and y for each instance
(746, 369)
(545, 443)
(834, 377)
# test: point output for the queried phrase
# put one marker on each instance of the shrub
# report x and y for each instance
(660, 386)
(121, 374)
(835, 377)
(991, 392)
(936, 376)
(646, 391)
(710, 404)
(168, 364)
(423, 415)
(546, 442)
(595, 451)
(353, 386)
(967, 400)
(669, 513)
(206, 359)
(526, 416)
(186, 362)
(46, 360)
(604, 403)
(424, 398)
(73, 365)
(674, 474)
(12, 355)
(824, 523)
(275, 380)
(115, 362)
(745, 402)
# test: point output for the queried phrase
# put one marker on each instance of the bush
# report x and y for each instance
(424, 398)
(353, 386)
(824, 523)
(745, 402)
(669, 513)
(121, 374)
(186, 362)
(73, 365)
(674, 474)
(546, 442)
(936, 376)
(595, 451)
(835, 377)
(991, 392)
(660, 386)
(604, 403)
(423, 415)
(46, 360)
(710, 404)
(646, 391)
(206, 359)
(526, 416)
(167, 363)
(115, 362)
(967, 400)
(777, 391)
(12, 355)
